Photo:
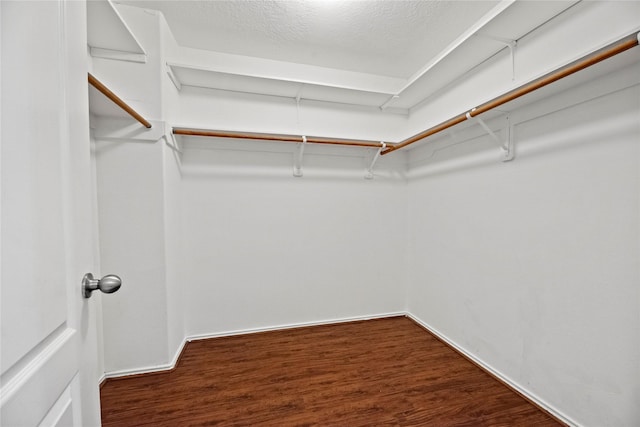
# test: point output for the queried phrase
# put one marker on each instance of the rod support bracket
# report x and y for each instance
(170, 139)
(508, 148)
(174, 79)
(506, 145)
(297, 167)
(369, 172)
(512, 50)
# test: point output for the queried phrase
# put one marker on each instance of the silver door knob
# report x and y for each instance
(108, 284)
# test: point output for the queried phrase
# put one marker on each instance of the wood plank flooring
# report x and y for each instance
(384, 372)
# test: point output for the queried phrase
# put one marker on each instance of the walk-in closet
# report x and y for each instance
(312, 212)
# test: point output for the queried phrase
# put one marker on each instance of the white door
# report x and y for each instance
(48, 354)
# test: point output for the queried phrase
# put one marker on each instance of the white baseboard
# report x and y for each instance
(505, 379)
(171, 365)
(295, 325)
(149, 369)
(137, 371)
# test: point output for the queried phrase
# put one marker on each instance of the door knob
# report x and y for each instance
(108, 284)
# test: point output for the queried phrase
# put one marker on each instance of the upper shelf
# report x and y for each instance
(109, 36)
(510, 21)
(596, 57)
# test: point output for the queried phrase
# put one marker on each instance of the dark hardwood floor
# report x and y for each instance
(369, 373)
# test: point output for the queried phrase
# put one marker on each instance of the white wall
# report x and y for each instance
(264, 249)
(131, 205)
(137, 183)
(532, 266)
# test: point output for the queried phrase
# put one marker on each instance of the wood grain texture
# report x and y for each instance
(376, 372)
(278, 137)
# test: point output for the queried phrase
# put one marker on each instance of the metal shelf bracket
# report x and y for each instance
(170, 139)
(369, 173)
(506, 145)
(297, 167)
(511, 44)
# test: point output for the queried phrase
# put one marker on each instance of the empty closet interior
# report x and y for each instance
(475, 167)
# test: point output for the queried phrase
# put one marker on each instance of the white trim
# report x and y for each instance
(36, 383)
(172, 364)
(118, 55)
(137, 371)
(60, 409)
(493, 371)
(179, 351)
(34, 362)
(296, 325)
(151, 369)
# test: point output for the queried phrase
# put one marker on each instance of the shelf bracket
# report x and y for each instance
(506, 145)
(170, 139)
(509, 149)
(369, 173)
(297, 167)
(511, 44)
(174, 79)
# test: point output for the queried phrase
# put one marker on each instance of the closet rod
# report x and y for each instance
(275, 137)
(116, 100)
(593, 58)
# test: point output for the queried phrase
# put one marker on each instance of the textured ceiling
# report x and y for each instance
(384, 37)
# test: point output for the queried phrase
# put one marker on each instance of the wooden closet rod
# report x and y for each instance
(275, 137)
(586, 61)
(612, 49)
(116, 100)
